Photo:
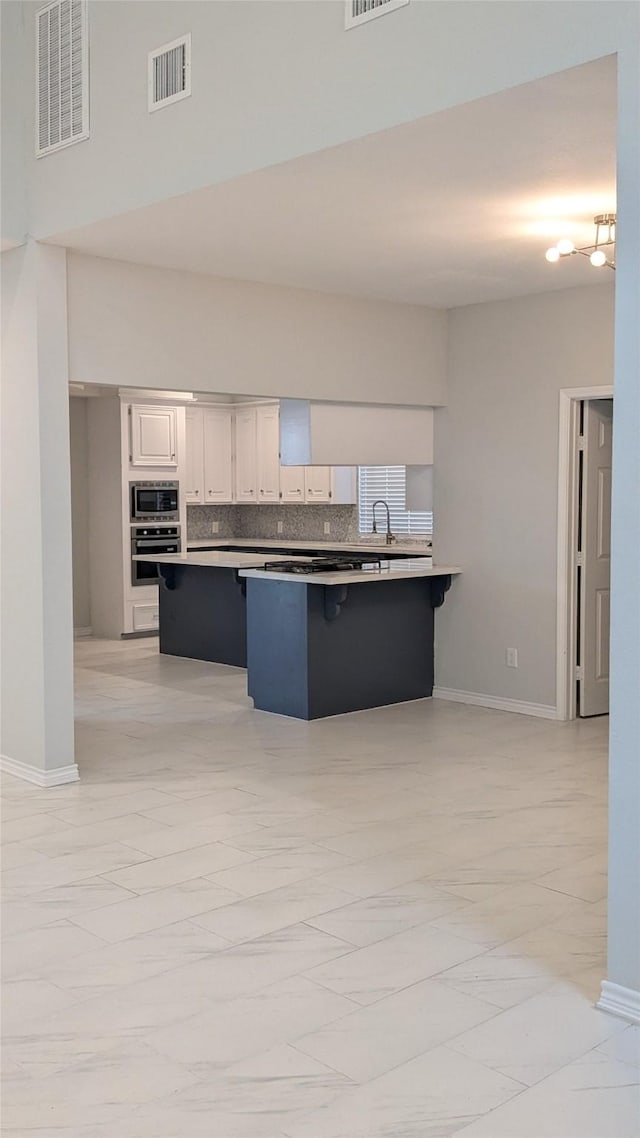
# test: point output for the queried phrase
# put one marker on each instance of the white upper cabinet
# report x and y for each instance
(268, 453)
(246, 489)
(318, 486)
(153, 435)
(217, 445)
(292, 483)
(194, 457)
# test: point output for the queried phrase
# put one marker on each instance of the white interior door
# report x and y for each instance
(595, 561)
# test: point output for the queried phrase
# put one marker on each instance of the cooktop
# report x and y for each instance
(347, 564)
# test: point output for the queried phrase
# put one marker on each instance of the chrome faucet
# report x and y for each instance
(381, 502)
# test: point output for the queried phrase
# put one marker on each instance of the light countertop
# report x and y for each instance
(214, 559)
(388, 571)
(419, 549)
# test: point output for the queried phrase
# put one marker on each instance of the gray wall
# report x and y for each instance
(80, 512)
(136, 326)
(496, 481)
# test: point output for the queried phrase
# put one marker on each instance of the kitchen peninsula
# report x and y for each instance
(316, 639)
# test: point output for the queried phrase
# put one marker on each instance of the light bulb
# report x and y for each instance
(553, 254)
(565, 246)
(598, 258)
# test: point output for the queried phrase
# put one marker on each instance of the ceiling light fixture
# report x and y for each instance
(604, 243)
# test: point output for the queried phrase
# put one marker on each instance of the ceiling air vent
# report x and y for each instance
(62, 78)
(170, 73)
(359, 11)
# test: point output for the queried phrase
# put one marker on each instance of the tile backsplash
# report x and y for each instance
(199, 519)
(301, 523)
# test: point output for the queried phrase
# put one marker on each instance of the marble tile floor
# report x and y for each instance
(383, 925)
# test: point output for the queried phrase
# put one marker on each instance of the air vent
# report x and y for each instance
(359, 11)
(170, 73)
(62, 78)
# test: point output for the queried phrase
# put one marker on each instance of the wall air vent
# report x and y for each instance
(359, 11)
(170, 73)
(62, 75)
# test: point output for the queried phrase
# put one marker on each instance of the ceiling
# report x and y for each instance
(453, 209)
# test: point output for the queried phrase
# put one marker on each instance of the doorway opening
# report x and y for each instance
(584, 513)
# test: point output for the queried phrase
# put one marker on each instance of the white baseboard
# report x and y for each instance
(56, 777)
(478, 699)
(619, 1001)
(80, 632)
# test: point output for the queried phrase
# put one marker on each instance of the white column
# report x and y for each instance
(36, 726)
(621, 990)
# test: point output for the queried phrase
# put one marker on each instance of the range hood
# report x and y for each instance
(354, 434)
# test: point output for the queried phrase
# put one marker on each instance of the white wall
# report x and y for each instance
(496, 482)
(137, 326)
(80, 512)
(37, 621)
(272, 81)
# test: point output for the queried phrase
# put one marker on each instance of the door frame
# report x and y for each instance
(566, 630)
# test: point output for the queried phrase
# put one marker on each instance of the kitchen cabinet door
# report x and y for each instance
(318, 487)
(194, 456)
(292, 483)
(268, 453)
(217, 444)
(245, 446)
(153, 436)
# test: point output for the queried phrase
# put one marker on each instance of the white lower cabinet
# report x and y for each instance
(145, 617)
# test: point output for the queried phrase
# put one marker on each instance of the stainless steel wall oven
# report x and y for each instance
(149, 540)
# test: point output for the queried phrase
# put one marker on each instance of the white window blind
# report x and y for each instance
(388, 483)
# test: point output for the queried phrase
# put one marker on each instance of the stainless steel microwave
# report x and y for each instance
(154, 501)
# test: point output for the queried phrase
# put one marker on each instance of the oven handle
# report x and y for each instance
(142, 544)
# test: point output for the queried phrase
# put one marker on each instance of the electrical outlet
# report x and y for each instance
(215, 527)
(280, 527)
(327, 528)
(511, 657)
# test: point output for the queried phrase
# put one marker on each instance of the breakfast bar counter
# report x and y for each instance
(327, 643)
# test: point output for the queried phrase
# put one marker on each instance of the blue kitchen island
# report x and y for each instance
(315, 641)
(329, 643)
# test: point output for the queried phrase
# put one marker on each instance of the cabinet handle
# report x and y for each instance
(196, 491)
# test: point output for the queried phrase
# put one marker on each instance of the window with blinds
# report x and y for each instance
(388, 483)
